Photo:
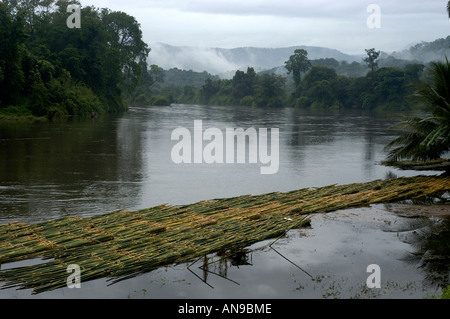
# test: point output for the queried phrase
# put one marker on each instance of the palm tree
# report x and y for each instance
(429, 137)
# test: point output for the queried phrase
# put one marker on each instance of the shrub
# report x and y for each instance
(160, 100)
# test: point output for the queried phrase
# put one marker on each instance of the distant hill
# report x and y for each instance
(426, 51)
(223, 61)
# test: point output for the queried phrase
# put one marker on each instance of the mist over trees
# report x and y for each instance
(326, 84)
(385, 83)
(48, 69)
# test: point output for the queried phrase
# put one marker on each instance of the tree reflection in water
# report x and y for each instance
(431, 253)
(429, 236)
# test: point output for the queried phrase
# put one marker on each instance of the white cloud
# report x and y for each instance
(268, 23)
(196, 58)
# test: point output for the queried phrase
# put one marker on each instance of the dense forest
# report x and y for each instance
(320, 86)
(384, 83)
(49, 68)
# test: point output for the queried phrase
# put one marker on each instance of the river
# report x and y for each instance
(86, 167)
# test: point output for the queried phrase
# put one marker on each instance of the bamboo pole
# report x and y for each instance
(121, 244)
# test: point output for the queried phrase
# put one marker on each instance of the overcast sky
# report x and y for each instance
(335, 24)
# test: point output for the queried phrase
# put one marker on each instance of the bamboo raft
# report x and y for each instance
(122, 244)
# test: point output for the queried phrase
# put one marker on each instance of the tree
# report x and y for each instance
(297, 64)
(125, 40)
(270, 90)
(318, 88)
(12, 51)
(429, 137)
(318, 73)
(48, 68)
(243, 84)
(209, 89)
(448, 9)
(371, 58)
(389, 87)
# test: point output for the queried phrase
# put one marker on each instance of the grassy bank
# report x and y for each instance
(12, 113)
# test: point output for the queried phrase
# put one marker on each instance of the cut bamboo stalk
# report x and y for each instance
(121, 244)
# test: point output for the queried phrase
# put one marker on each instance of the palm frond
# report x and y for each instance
(428, 137)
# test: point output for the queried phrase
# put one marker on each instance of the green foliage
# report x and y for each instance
(270, 91)
(15, 112)
(182, 78)
(12, 35)
(446, 290)
(81, 100)
(51, 69)
(297, 64)
(243, 84)
(429, 51)
(429, 137)
(159, 100)
(328, 84)
(371, 59)
(247, 101)
(245, 88)
(317, 88)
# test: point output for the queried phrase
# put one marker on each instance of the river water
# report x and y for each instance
(85, 167)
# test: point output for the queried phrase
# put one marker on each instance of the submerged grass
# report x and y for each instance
(121, 244)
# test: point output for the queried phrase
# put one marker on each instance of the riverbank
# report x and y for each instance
(17, 113)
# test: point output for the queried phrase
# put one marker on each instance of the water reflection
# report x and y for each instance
(322, 264)
(86, 167)
(80, 167)
(219, 263)
(431, 250)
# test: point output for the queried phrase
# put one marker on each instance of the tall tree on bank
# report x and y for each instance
(297, 64)
(125, 42)
(371, 59)
(12, 51)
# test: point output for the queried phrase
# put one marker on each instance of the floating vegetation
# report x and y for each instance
(122, 244)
